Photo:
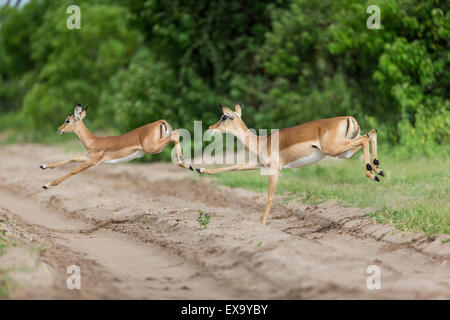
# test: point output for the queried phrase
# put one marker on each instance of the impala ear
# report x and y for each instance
(238, 109)
(226, 111)
(84, 113)
(77, 112)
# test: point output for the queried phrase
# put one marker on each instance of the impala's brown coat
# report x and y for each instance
(298, 146)
(150, 138)
(146, 138)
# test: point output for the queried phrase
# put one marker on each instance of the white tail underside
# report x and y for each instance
(166, 130)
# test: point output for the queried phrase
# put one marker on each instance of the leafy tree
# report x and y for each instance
(289, 61)
(217, 39)
(149, 90)
(16, 65)
(405, 68)
(75, 65)
(324, 61)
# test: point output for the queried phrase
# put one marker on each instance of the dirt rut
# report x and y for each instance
(133, 231)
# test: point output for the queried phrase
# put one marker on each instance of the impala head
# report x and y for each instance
(71, 121)
(230, 121)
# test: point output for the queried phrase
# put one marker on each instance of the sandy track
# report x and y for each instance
(132, 229)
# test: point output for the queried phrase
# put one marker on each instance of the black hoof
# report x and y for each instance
(376, 179)
(190, 168)
(381, 173)
(376, 162)
(44, 187)
(198, 170)
(42, 167)
(368, 167)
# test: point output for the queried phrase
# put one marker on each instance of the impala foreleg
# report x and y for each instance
(273, 180)
(236, 167)
(63, 162)
(375, 161)
(76, 170)
(175, 138)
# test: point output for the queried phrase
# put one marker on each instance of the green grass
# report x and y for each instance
(3, 242)
(203, 219)
(413, 196)
(6, 282)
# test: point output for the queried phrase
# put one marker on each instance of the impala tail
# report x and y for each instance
(353, 129)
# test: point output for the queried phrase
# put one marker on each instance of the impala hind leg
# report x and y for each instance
(63, 162)
(342, 146)
(273, 181)
(375, 161)
(367, 160)
(76, 170)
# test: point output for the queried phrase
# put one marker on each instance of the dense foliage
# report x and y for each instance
(289, 61)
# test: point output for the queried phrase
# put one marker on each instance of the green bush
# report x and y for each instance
(149, 90)
(75, 65)
(17, 69)
(324, 62)
(288, 61)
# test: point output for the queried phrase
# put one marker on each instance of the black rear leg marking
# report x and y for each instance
(377, 163)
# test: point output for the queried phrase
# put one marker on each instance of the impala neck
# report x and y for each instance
(248, 139)
(86, 137)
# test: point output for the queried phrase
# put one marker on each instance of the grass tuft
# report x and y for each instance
(203, 219)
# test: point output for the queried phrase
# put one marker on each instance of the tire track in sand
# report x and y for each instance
(150, 211)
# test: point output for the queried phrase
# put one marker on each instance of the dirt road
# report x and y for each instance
(133, 231)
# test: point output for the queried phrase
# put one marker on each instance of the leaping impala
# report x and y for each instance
(298, 146)
(150, 138)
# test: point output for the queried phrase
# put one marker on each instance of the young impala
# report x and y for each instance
(298, 146)
(150, 138)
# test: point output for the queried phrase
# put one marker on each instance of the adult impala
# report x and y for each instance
(298, 146)
(150, 138)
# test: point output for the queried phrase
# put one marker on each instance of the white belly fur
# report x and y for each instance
(347, 154)
(133, 156)
(302, 162)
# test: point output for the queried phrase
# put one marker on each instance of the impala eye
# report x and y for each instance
(223, 118)
(67, 121)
